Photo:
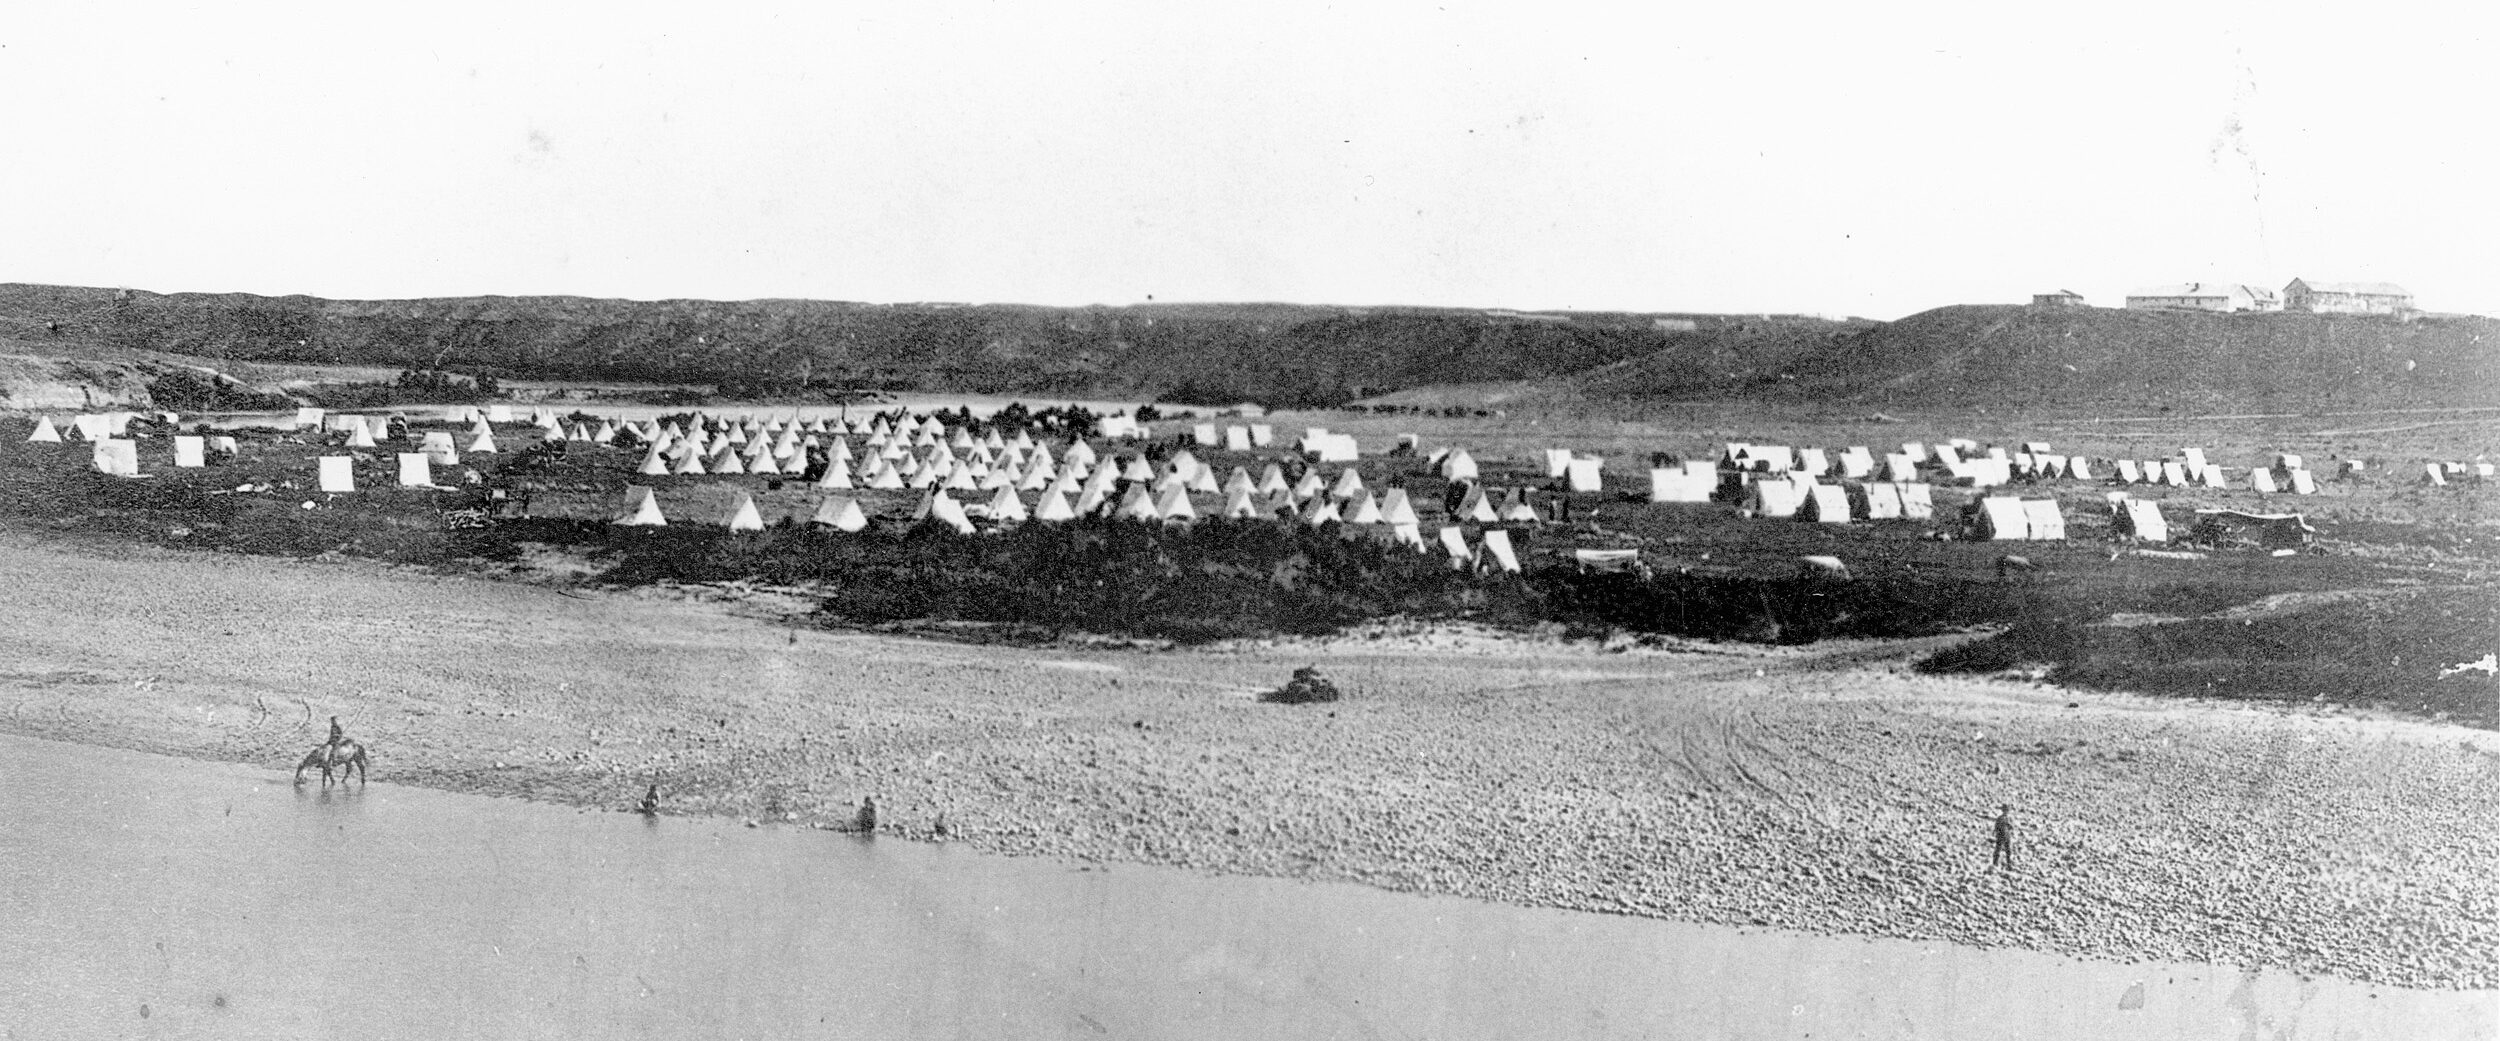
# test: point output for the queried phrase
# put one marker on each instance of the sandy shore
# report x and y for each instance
(1821, 789)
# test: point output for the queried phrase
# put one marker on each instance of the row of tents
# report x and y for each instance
(1491, 549)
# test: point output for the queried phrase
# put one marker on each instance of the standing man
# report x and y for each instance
(2004, 854)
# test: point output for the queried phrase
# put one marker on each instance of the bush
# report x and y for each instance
(189, 390)
(1307, 686)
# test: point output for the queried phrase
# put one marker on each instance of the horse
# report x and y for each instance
(346, 757)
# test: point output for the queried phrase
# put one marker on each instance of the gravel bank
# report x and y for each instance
(1820, 789)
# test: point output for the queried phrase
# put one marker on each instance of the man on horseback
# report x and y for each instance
(339, 753)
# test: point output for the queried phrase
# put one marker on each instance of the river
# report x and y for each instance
(145, 896)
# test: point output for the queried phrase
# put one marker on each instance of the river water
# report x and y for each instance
(144, 896)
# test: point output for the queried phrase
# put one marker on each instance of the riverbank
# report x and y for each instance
(1824, 789)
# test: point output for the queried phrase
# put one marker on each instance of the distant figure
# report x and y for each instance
(650, 802)
(337, 734)
(2004, 854)
(867, 820)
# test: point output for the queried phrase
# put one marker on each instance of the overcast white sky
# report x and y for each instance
(1852, 159)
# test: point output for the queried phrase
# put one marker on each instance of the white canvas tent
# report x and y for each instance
(744, 516)
(1007, 508)
(2001, 517)
(1899, 468)
(1363, 509)
(1348, 482)
(1498, 542)
(943, 508)
(642, 509)
(1053, 506)
(1137, 504)
(1824, 504)
(117, 456)
(338, 473)
(837, 474)
(841, 513)
(2139, 518)
(1396, 508)
(1238, 505)
(1585, 474)
(2045, 522)
(1174, 506)
(1856, 463)
(1557, 462)
(1774, 497)
(416, 470)
(1607, 561)
(1515, 508)
(1675, 484)
(1917, 500)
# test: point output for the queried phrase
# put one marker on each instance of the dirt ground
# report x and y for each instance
(1826, 788)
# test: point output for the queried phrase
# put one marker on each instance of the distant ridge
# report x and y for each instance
(1209, 353)
(1298, 355)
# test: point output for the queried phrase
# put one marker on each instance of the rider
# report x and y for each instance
(337, 734)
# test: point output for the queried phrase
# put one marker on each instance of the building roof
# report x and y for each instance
(2354, 288)
(2195, 289)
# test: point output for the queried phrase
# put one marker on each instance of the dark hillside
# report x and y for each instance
(2192, 362)
(1206, 353)
(1741, 355)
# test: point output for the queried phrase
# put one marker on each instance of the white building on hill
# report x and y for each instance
(2204, 296)
(2347, 297)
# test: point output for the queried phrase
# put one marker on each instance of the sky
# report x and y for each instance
(1873, 160)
